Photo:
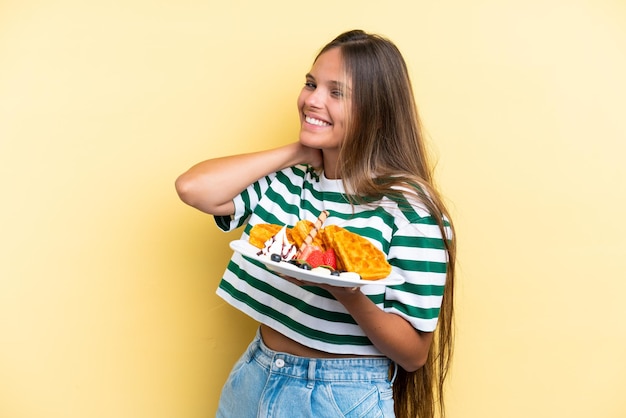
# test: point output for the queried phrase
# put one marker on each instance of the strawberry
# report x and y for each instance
(315, 258)
(329, 258)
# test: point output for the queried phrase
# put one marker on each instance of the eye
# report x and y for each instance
(310, 85)
(337, 93)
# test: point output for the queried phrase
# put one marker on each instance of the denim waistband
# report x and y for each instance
(334, 369)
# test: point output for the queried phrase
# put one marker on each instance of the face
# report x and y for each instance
(324, 103)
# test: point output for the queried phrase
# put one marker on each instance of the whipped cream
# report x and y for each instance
(279, 244)
(321, 270)
(350, 275)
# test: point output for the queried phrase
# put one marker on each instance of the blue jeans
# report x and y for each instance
(270, 384)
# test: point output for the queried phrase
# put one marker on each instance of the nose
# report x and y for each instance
(314, 99)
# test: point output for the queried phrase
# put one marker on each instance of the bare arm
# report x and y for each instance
(211, 185)
(390, 333)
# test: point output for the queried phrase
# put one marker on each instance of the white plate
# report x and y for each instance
(350, 280)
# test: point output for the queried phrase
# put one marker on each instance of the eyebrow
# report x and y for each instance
(333, 83)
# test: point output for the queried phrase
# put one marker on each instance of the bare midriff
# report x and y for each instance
(276, 341)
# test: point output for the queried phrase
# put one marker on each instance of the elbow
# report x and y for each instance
(413, 365)
(193, 192)
(196, 193)
(185, 189)
(414, 362)
(419, 356)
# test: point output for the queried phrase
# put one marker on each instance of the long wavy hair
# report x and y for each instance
(383, 151)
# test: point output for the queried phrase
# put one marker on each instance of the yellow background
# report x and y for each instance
(107, 304)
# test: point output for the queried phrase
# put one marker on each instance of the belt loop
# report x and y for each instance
(253, 347)
(311, 375)
(395, 373)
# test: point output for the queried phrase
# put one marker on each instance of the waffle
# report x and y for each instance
(357, 254)
(260, 233)
(353, 252)
(301, 230)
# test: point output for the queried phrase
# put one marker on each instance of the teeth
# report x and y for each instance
(316, 122)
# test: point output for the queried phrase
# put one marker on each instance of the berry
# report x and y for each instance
(329, 258)
(276, 258)
(315, 259)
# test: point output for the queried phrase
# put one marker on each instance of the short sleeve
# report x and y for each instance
(417, 253)
(244, 203)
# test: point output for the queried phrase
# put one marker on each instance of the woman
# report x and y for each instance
(328, 351)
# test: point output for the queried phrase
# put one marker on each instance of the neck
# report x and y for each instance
(331, 170)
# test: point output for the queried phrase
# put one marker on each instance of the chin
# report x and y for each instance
(306, 140)
(314, 141)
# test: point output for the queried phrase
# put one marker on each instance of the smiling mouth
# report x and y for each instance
(316, 122)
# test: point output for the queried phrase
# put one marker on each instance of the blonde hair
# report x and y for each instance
(384, 151)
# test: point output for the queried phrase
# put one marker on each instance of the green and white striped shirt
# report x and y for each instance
(407, 234)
